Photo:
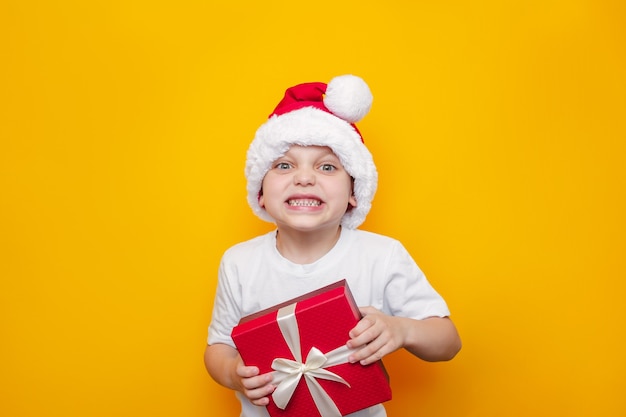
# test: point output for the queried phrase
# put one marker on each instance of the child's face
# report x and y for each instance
(307, 189)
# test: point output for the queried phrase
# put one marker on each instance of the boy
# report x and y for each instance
(309, 172)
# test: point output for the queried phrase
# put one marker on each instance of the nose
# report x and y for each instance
(304, 176)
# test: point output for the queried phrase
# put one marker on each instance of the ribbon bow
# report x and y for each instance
(288, 372)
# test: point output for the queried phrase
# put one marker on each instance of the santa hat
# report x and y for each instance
(316, 114)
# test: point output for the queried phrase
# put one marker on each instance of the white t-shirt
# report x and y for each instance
(380, 272)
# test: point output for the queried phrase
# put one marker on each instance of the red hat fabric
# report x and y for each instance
(302, 95)
(305, 95)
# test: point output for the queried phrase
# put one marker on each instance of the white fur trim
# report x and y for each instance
(312, 127)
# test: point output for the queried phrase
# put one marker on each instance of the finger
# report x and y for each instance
(366, 358)
(260, 396)
(256, 382)
(367, 310)
(363, 324)
(367, 345)
(363, 339)
(378, 355)
(261, 401)
(369, 352)
(247, 371)
(368, 330)
(372, 352)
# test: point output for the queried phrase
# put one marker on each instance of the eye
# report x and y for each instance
(282, 165)
(327, 167)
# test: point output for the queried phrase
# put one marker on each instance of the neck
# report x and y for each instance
(306, 247)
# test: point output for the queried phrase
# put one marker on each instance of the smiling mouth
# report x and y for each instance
(304, 203)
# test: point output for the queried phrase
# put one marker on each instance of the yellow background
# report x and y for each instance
(498, 129)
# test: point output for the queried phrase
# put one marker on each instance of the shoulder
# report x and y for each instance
(251, 247)
(366, 239)
(373, 245)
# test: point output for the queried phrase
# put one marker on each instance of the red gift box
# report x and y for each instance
(303, 342)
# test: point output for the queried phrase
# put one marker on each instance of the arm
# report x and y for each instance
(377, 334)
(226, 367)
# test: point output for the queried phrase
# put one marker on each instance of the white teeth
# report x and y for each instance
(304, 203)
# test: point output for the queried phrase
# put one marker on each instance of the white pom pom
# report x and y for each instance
(348, 97)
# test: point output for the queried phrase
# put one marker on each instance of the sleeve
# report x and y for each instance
(408, 293)
(226, 312)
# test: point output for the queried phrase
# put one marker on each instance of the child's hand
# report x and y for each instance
(227, 368)
(254, 386)
(377, 335)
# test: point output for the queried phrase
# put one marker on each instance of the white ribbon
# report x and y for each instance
(288, 372)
